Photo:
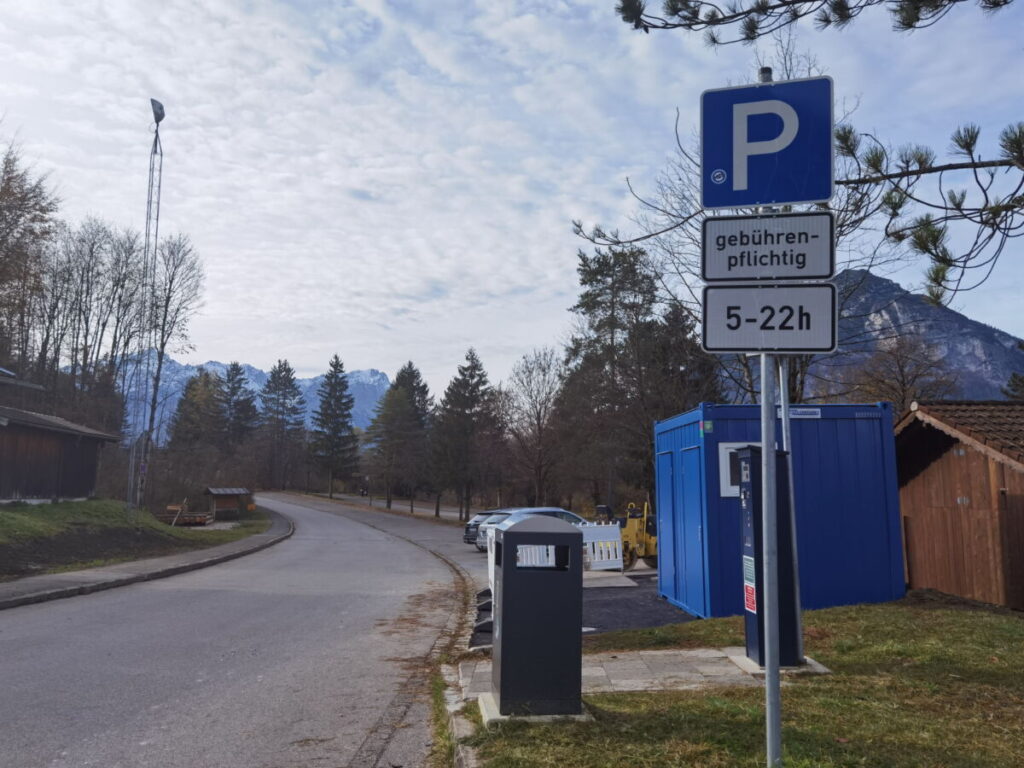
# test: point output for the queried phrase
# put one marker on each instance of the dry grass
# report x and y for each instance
(926, 681)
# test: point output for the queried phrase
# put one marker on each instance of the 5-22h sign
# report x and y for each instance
(767, 144)
(789, 318)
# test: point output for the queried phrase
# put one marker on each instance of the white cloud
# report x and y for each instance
(396, 181)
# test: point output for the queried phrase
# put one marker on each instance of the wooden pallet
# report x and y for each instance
(175, 515)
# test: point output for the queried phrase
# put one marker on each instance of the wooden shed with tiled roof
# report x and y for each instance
(227, 503)
(961, 477)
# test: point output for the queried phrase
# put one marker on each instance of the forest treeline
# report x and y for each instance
(88, 315)
(569, 426)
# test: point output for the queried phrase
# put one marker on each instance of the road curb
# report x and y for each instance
(159, 573)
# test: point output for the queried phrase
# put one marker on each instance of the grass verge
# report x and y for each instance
(41, 538)
(925, 681)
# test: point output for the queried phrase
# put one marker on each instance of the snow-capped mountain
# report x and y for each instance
(874, 308)
(366, 387)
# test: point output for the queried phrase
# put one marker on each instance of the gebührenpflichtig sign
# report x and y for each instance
(793, 246)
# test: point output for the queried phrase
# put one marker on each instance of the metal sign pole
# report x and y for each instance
(763, 271)
(787, 446)
(770, 559)
(770, 554)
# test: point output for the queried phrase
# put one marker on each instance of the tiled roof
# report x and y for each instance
(50, 423)
(995, 424)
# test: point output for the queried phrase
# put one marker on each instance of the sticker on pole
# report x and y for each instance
(749, 584)
(766, 144)
(792, 318)
(750, 598)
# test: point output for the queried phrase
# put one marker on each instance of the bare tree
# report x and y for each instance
(874, 224)
(176, 295)
(532, 393)
(27, 209)
(914, 198)
(900, 371)
(671, 222)
(122, 289)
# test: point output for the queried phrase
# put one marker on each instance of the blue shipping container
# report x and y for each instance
(847, 505)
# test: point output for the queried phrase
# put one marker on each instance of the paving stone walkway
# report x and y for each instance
(671, 670)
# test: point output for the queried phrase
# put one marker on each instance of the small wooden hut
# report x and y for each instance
(961, 476)
(227, 503)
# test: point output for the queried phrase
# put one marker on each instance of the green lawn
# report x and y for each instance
(39, 538)
(925, 681)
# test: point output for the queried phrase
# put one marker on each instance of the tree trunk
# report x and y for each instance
(437, 504)
(330, 483)
(412, 498)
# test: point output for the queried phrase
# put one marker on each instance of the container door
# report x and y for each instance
(664, 491)
(693, 576)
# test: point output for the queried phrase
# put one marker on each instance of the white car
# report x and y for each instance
(485, 525)
(561, 514)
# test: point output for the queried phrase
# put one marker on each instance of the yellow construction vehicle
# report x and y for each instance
(639, 534)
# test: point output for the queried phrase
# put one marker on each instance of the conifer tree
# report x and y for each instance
(198, 419)
(391, 441)
(335, 445)
(746, 22)
(1014, 389)
(410, 379)
(633, 362)
(283, 420)
(239, 406)
(465, 416)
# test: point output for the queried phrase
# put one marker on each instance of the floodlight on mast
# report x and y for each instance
(145, 386)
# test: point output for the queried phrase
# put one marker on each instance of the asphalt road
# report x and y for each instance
(305, 654)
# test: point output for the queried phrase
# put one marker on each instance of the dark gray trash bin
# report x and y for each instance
(538, 617)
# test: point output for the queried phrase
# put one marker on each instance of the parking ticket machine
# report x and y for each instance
(753, 569)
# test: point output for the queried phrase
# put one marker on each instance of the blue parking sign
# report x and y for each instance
(767, 144)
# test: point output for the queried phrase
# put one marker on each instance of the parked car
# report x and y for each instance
(469, 533)
(488, 522)
(519, 514)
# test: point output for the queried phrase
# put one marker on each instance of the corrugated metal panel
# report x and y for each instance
(848, 529)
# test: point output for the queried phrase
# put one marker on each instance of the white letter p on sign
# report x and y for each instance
(742, 148)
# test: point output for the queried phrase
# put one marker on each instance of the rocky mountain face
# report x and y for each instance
(366, 386)
(874, 308)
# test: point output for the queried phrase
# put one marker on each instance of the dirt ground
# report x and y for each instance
(84, 545)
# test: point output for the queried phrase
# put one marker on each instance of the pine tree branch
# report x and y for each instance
(917, 173)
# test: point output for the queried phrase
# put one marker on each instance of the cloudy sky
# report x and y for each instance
(396, 180)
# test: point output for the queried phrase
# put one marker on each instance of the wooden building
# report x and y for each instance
(961, 476)
(46, 457)
(227, 503)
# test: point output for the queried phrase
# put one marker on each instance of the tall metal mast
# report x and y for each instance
(139, 458)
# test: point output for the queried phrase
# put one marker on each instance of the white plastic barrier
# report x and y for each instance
(527, 556)
(603, 544)
(490, 559)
